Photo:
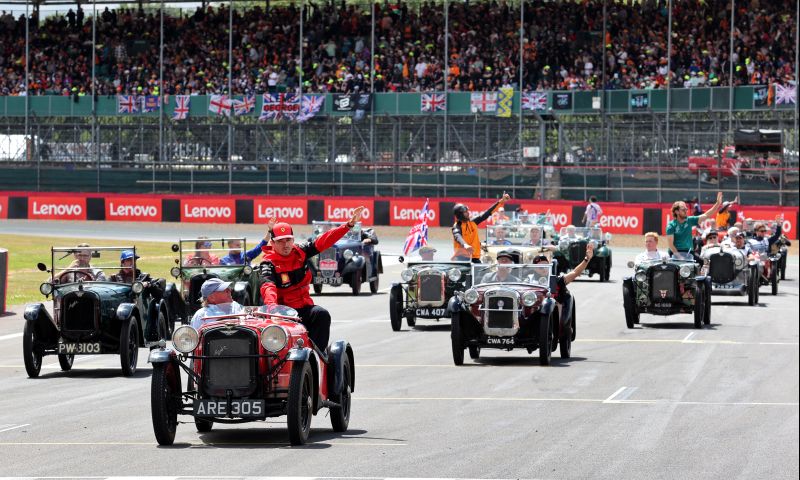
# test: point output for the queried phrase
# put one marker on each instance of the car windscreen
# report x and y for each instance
(518, 235)
(593, 233)
(207, 252)
(353, 235)
(91, 263)
(535, 274)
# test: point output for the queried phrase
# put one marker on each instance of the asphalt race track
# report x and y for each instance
(662, 401)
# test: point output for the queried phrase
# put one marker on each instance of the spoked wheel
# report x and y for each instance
(31, 350)
(129, 347)
(699, 306)
(545, 338)
(317, 288)
(300, 407)
(456, 339)
(165, 401)
(340, 416)
(396, 307)
(66, 360)
(474, 352)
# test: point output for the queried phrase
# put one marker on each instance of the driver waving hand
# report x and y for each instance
(287, 277)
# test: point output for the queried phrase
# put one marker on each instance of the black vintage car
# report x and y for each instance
(349, 262)
(202, 258)
(572, 248)
(425, 290)
(91, 313)
(667, 287)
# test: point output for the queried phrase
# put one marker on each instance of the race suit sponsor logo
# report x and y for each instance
(342, 210)
(407, 212)
(133, 209)
(207, 210)
(56, 208)
(289, 210)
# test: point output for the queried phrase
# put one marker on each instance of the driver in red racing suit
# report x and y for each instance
(287, 277)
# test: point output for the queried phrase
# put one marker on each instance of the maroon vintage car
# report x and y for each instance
(510, 306)
(248, 367)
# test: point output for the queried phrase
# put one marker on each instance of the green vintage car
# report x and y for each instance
(571, 250)
(202, 258)
(92, 313)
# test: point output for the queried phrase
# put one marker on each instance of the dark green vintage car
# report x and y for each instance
(92, 314)
(202, 258)
(572, 243)
(426, 289)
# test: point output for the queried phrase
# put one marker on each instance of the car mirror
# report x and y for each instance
(630, 264)
(95, 254)
(42, 267)
(175, 247)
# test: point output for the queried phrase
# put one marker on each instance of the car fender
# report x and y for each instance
(126, 310)
(355, 263)
(455, 304)
(299, 355)
(338, 350)
(162, 355)
(548, 305)
(37, 314)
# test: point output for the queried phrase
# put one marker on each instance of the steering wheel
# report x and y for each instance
(198, 262)
(70, 276)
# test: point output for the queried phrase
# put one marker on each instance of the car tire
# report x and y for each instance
(128, 347)
(783, 267)
(374, 285)
(411, 320)
(355, 282)
(396, 307)
(317, 288)
(474, 352)
(165, 398)
(629, 305)
(163, 326)
(65, 361)
(340, 416)
(565, 342)
(752, 286)
(300, 407)
(545, 338)
(707, 304)
(457, 339)
(32, 354)
(699, 305)
(773, 279)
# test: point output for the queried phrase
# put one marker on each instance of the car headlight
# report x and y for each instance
(247, 270)
(185, 339)
(407, 275)
(175, 272)
(137, 287)
(529, 298)
(641, 276)
(348, 254)
(685, 271)
(454, 274)
(274, 338)
(471, 296)
(46, 288)
(738, 261)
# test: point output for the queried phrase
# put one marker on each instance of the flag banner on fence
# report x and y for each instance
(220, 105)
(244, 106)
(534, 101)
(504, 99)
(127, 104)
(562, 101)
(760, 96)
(418, 235)
(181, 111)
(785, 95)
(278, 106)
(483, 102)
(150, 103)
(310, 106)
(433, 102)
(358, 103)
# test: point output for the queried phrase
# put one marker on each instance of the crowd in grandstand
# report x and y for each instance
(564, 48)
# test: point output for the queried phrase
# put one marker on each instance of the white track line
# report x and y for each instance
(14, 427)
(10, 336)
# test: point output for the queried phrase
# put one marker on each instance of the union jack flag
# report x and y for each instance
(785, 95)
(245, 105)
(534, 101)
(418, 235)
(181, 111)
(279, 105)
(127, 104)
(433, 102)
(310, 106)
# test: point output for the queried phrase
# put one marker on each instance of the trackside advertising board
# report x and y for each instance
(3, 207)
(56, 208)
(627, 220)
(208, 210)
(133, 209)
(292, 210)
(341, 209)
(560, 215)
(407, 212)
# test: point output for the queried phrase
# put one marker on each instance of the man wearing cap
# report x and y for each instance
(217, 300)
(287, 277)
(426, 253)
(711, 238)
(501, 274)
(126, 273)
(465, 230)
(723, 217)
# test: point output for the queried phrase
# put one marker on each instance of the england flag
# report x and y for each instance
(418, 235)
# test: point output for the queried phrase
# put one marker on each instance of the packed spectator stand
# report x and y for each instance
(563, 48)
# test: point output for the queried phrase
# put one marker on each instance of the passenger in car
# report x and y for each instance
(426, 253)
(235, 257)
(561, 293)
(217, 300)
(82, 261)
(651, 251)
(501, 274)
(500, 236)
(201, 256)
(535, 240)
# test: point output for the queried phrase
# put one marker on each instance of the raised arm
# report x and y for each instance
(569, 277)
(483, 216)
(710, 212)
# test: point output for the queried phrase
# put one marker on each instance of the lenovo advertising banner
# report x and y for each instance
(559, 215)
(406, 212)
(56, 208)
(290, 210)
(340, 210)
(3, 207)
(627, 220)
(208, 210)
(133, 209)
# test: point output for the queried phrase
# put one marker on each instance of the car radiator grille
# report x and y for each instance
(721, 268)
(662, 286)
(577, 251)
(79, 312)
(501, 312)
(430, 288)
(329, 254)
(237, 374)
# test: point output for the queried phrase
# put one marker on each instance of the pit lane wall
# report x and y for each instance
(618, 218)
